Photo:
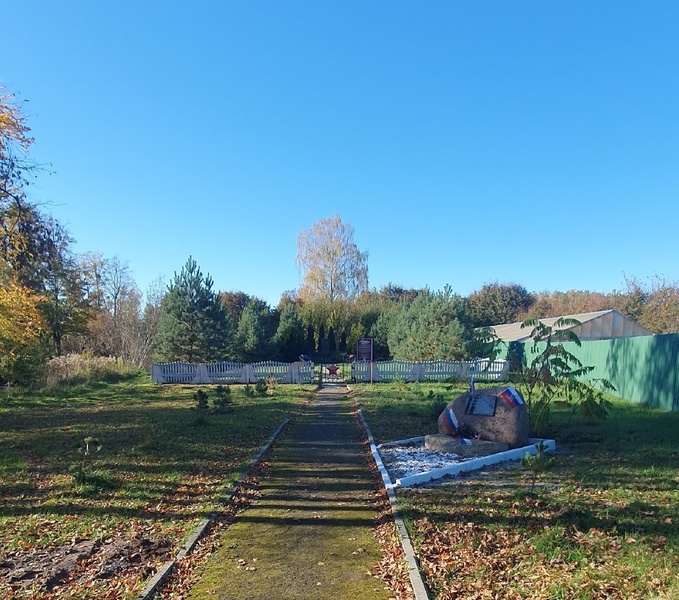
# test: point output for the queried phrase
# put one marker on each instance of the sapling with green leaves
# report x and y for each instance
(82, 470)
(537, 463)
(592, 403)
(555, 373)
(484, 343)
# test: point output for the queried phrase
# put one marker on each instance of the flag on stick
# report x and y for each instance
(450, 421)
(511, 397)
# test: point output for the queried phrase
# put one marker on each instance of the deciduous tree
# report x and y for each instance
(14, 144)
(21, 322)
(66, 308)
(660, 311)
(331, 265)
(497, 303)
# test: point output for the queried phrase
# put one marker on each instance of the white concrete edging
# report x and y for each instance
(474, 463)
(154, 584)
(414, 574)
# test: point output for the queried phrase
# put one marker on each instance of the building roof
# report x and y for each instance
(599, 325)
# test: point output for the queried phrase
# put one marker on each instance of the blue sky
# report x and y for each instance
(470, 142)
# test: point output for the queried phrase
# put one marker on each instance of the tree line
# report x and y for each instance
(54, 301)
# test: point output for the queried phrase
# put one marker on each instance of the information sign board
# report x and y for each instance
(364, 349)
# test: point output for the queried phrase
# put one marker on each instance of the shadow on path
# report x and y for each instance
(310, 533)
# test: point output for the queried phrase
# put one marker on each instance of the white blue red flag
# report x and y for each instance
(450, 421)
(511, 397)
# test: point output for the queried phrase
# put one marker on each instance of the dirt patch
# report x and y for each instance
(86, 560)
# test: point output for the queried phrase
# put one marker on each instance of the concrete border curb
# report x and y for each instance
(474, 463)
(419, 589)
(154, 584)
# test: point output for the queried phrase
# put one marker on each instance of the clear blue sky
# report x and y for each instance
(467, 142)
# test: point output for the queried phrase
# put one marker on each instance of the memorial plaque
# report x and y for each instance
(480, 405)
(364, 349)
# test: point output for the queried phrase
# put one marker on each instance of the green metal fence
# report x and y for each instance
(643, 369)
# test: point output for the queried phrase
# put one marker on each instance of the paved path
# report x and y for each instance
(309, 535)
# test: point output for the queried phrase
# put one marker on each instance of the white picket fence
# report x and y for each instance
(231, 372)
(303, 372)
(435, 370)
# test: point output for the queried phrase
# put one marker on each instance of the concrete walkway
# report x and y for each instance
(309, 535)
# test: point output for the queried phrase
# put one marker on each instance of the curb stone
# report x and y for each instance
(159, 578)
(419, 589)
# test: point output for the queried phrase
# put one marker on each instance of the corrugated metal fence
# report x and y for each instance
(643, 369)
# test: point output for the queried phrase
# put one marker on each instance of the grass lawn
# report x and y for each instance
(120, 511)
(602, 523)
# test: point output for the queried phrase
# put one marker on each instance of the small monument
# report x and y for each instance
(497, 417)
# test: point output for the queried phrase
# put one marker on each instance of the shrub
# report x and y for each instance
(261, 387)
(201, 399)
(271, 383)
(222, 398)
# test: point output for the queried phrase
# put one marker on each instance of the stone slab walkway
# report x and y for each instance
(309, 535)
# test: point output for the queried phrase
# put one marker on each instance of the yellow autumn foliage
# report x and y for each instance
(20, 319)
(13, 128)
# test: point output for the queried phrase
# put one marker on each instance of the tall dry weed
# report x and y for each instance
(82, 368)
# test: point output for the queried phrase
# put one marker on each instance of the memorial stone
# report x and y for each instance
(494, 415)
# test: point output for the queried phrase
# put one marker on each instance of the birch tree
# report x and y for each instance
(332, 268)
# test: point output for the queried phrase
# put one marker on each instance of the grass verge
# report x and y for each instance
(601, 524)
(97, 523)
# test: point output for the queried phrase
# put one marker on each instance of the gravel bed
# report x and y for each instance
(411, 459)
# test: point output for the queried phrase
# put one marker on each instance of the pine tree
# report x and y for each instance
(310, 343)
(194, 326)
(321, 337)
(427, 328)
(289, 338)
(332, 340)
(254, 338)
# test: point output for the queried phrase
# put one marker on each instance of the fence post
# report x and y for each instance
(202, 374)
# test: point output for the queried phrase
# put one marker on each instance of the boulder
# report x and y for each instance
(494, 415)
